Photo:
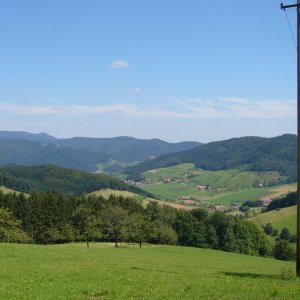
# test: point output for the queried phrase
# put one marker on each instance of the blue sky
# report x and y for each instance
(175, 70)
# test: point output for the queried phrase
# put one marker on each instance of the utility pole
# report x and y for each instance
(297, 6)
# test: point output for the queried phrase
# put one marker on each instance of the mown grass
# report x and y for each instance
(284, 217)
(178, 171)
(6, 190)
(105, 193)
(241, 196)
(74, 271)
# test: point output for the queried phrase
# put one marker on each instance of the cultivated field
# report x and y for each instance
(74, 271)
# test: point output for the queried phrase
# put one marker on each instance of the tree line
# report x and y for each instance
(289, 200)
(53, 218)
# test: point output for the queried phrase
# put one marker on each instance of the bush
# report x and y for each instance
(284, 251)
(269, 229)
(285, 234)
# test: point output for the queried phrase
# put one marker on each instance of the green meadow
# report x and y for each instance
(241, 196)
(6, 190)
(279, 218)
(73, 271)
(225, 186)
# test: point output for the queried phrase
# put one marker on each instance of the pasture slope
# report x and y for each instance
(73, 271)
(279, 218)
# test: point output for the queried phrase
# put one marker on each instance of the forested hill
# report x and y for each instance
(250, 153)
(66, 181)
(27, 136)
(127, 149)
(80, 153)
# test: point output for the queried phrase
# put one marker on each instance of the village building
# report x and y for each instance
(201, 187)
(220, 207)
(189, 202)
(266, 201)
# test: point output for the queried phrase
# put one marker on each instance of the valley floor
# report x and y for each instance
(73, 271)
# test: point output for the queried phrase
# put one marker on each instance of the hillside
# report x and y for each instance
(27, 136)
(73, 271)
(29, 153)
(126, 149)
(277, 154)
(81, 153)
(65, 181)
(280, 218)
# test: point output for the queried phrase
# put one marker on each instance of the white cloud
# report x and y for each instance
(119, 64)
(242, 108)
(188, 109)
(135, 90)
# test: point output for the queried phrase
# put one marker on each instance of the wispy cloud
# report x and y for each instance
(119, 64)
(241, 108)
(188, 109)
(135, 90)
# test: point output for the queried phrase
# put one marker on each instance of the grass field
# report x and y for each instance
(241, 196)
(74, 271)
(10, 191)
(233, 178)
(284, 217)
(105, 193)
(226, 186)
(177, 190)
(178, 171)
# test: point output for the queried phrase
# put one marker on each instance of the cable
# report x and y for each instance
(287, 18)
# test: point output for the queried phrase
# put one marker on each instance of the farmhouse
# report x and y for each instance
(266, 201)
(235, 206)
(167, 180)
(220, 207)
(132, 182)
(201, 187)
(189, 202)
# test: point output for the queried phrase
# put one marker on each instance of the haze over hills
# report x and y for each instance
(80, 153)
(249, 153)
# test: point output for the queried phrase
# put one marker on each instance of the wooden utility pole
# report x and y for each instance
(297, 6)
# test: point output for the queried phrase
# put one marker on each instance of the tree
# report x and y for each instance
(285, 234)
(269, 229)
(114, 221)
(185, 228)
(200, 214)
(87, 224)
(163, 234)
(10, 228)
(284, 251)
(138, 229)
(212, 237)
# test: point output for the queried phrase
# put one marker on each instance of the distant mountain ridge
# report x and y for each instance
(23, 135)
(250, 153)
(79, 152)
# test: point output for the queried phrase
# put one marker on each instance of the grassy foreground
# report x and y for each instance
(74, 271)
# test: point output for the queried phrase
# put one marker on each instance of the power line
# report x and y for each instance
(291, 30)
